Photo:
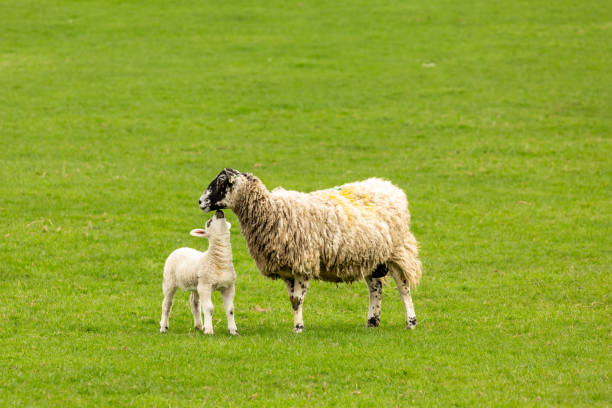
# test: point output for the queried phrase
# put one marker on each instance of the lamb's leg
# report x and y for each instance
(297, 289)
(375, 288)
(205, 293)
(194, 301)
(166, 308)
(404, 290)
(228, 303)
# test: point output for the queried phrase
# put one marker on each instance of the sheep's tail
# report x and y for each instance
(406, 262)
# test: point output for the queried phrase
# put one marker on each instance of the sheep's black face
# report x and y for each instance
(215, 197)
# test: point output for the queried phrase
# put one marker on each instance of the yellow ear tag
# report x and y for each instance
(231, 180)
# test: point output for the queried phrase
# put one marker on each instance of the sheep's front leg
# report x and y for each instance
(194, 301)
(205, 293)
(375, 288)
(228, 303)
(297, 289)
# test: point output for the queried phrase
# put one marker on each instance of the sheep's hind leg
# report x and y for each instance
(166, 308)
(194, 301)
(297, 289)
(205, 293)
(228, 303)
(404, 290)
(375, 288)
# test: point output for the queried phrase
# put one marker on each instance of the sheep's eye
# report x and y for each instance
(208, 223)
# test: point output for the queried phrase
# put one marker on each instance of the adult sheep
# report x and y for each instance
(356, 231)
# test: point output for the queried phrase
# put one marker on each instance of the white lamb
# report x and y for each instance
(356, 231)
(201, 273)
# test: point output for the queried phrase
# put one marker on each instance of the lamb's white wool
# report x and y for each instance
(201, 273)
(355, 231)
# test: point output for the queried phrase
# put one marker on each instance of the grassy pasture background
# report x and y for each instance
(494, 117)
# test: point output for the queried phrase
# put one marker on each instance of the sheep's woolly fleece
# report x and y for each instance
(339, 234)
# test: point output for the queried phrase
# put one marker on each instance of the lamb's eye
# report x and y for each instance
(208, 223)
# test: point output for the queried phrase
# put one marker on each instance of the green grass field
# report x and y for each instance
(494, 117)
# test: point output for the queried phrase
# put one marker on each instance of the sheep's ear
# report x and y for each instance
(199, 233)
(228, 225)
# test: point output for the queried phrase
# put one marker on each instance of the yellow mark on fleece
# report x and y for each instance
(359, 200)
(350, 201)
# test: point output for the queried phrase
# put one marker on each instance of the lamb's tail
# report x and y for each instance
(406, 261)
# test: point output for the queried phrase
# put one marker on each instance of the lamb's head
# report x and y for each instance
(220, 192)
(215, 226)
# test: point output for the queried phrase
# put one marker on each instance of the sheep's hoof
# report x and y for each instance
(373, 321)
(198, 328)
(298, 328)
(234, 332)
(411, 323)
(208, 331)
(163, 329)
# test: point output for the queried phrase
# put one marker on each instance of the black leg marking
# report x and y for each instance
(291, 284)
(381, 270)
(374, 321)
(412, 322)
(299, 326)
(375, 288)
(295, 302)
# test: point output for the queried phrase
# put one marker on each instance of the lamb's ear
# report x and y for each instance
(228, 225)
(198, 232)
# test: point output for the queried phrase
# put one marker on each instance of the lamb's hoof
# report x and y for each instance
(198, 328)
(163, 329)
(373, 321)
(234, 333)
(208, 331)
(298, 328)
(411, 323)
